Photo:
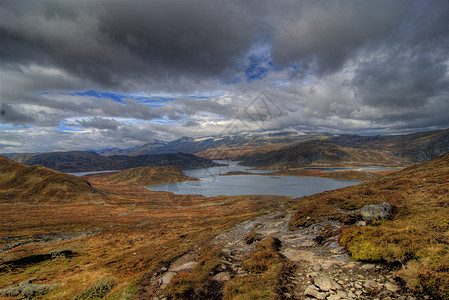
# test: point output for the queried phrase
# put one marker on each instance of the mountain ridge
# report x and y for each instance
(398, 150)
(82, 161)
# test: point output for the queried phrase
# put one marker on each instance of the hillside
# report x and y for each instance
(352, 150)
(37, 184)
(416, 147)
(81, 161)
(322, 153)
(416, 236)
(151, 175)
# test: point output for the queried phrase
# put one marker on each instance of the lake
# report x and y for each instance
(78, 174)
(212, 184)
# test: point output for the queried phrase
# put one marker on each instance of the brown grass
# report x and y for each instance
(265, 266)
(37, 184)
(121, 239)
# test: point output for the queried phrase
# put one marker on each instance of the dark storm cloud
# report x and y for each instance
(12, 115)
(403, 77)
(328, 33)
(108, 41)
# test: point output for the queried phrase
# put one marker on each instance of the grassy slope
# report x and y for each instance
(116, 243)
(37, 184)
(417, 235)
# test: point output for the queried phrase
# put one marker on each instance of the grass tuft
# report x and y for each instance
(98, 290)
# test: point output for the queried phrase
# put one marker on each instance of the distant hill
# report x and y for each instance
(151, 175)
(81, 161)
(347, 150)
(37, 184)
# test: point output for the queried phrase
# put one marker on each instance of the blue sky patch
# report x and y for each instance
(260, 65)
(64, 127)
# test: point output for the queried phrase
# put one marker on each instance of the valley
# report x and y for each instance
(107, 235)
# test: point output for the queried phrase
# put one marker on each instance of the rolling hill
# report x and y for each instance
(37, 184)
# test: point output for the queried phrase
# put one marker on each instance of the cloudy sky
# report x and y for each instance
(109, 73)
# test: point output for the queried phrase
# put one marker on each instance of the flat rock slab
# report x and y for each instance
(184, 267)
(186, 258)
(300, 255)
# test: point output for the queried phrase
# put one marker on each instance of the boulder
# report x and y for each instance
(377, 211)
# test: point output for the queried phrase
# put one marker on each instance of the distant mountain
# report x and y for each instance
(227, 146)
(80, 161)
(115, 151)
(37, 184)
(416, 147)
(346, 150)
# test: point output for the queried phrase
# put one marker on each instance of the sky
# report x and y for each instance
(84, 75)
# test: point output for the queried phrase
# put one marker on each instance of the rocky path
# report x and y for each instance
(322, 268)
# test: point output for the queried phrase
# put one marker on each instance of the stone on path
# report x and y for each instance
(391, 287)
(311, 290)
(325, 283)
(222, 276)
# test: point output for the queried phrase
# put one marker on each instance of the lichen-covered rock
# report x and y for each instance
(378, 211)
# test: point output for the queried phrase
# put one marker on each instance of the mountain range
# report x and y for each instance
(275, 150)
